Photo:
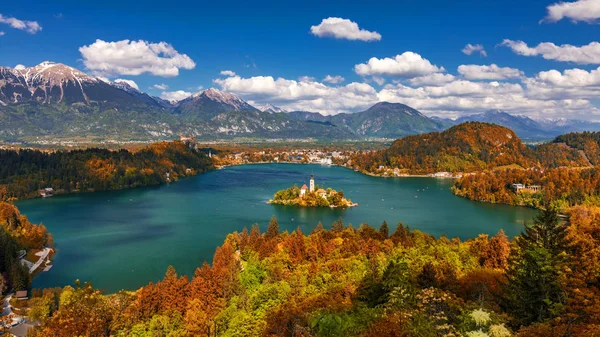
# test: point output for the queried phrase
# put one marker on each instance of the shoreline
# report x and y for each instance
(428, 175)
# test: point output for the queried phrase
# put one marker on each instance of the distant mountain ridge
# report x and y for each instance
(54, 100)
(528, 128)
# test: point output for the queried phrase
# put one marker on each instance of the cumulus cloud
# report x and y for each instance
(127, 57)
(582, 10)
(491, 72)
(343, 29)
(334, 79)
(432, 79)
(161, 86)
(306, 79)
(407, 65)
(30, 27)
(568, 84)
(588, 54)
(175, 95)
(227, 73)
(473, 89)
(482, 97)
(571, 77)
(131, 83)
(301, 95)
(470, 49)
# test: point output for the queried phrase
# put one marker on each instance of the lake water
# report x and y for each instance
(125, 239)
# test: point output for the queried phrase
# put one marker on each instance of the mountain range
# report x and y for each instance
(527, 128)
(53, 100)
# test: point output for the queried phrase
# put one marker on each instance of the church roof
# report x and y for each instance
(304, 187)
(320, 190)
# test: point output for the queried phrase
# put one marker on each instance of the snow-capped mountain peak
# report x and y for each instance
(232, 101)
(270, 108)
(125, 85)
(225, 98)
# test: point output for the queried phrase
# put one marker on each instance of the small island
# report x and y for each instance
(313, 196)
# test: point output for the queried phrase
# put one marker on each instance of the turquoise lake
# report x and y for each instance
(125, 239)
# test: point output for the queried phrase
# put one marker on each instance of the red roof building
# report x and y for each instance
(303, 190)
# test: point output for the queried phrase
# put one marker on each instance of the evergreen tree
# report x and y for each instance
(273, 229)
(401, 235)
(428, 276)
(384, 230)
(535, 291)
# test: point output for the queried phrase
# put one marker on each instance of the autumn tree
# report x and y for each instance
(273, 229)
(338, 225)
(318, 228)
(497, 251)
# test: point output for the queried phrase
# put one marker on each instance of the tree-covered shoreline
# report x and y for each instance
(23, 173)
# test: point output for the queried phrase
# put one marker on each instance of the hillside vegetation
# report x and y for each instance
(16, 234)
(567, 174)
(24, 172)
(467, 147)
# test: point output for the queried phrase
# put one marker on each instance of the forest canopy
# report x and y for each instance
(24, 172)
(359, 281)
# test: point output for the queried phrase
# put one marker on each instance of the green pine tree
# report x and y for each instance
(536, 270)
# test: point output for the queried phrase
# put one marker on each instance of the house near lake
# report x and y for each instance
(518, 188)
(47, 192)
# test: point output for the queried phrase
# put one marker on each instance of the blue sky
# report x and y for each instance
(258, 40)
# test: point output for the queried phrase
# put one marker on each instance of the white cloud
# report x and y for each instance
(131, 83)
(379, 80)
(161, 86)
(30, 27)
(301, 95)
(571, 77)
(306, 79)
(408, 64)
(134, 58)
(227, 73)
(2, 33)
(491, 72)
(475, 88)
(432, 79)
(343, 29)
(581, 10)
(470, 49)
(569, 84)
(588, 54)
(334, 79)
(175, 95)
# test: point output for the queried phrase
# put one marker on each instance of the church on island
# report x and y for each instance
(311, 196)
(321, 192)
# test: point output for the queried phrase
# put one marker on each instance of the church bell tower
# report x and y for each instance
(312, 183)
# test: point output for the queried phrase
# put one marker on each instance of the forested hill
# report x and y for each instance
(586, 142)
(467, 147)
(23, 173)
